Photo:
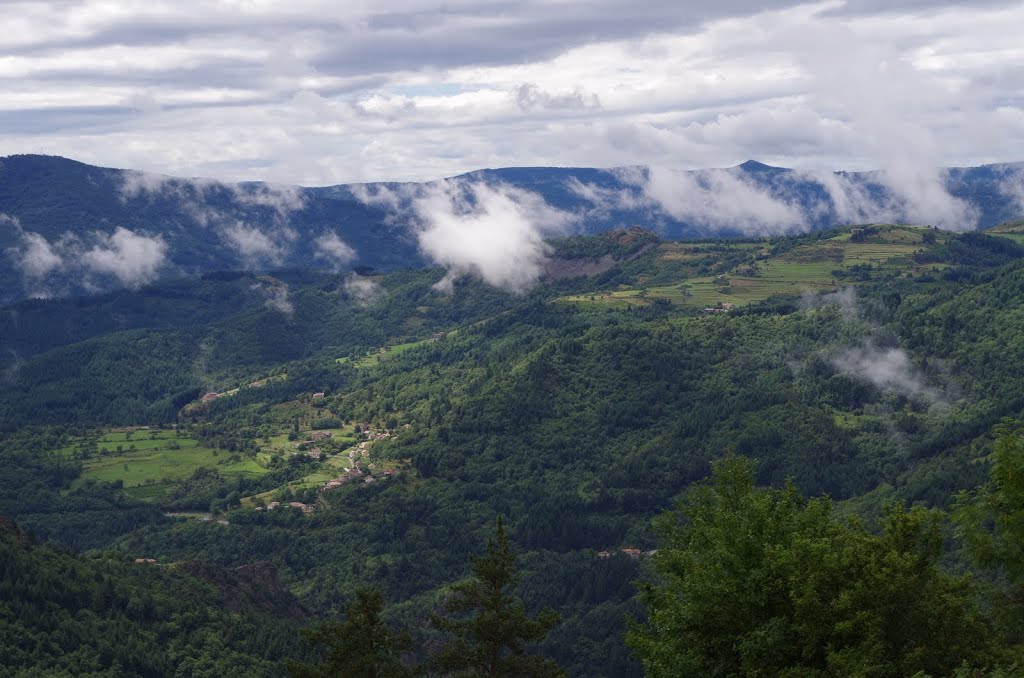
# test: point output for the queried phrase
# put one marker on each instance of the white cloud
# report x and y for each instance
(362, 289)
(215, 205)
(282, 199)
(889, 369)
(1012, 186)
(402, 89)
(718, 199)
(36, 258)
(852, 200)
(332, 249)
(845, 299)
(276, 297)
(255, 247)
(496, 232)
(133, 258)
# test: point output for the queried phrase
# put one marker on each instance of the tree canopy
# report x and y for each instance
(762, 582)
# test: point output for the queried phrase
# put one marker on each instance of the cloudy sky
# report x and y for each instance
(321, 92)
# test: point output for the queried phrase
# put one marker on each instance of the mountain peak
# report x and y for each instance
(755, 166)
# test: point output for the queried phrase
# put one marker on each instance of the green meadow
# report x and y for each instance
(385, 353)
(809, 267)
(151, 463)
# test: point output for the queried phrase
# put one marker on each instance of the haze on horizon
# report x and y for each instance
(310, 93)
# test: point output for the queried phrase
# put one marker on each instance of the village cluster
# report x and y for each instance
(358, 470)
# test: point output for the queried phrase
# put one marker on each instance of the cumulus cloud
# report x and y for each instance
(249, 90)
(363, 289)
(135, 184)
(332, 249)
(877, 91)
(889, 369)
(133, 258)
(496, 232)
(394, 200)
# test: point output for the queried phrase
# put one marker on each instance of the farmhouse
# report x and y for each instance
(210, 396)
(342, 480)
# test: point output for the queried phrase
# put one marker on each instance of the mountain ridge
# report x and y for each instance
(68, 228)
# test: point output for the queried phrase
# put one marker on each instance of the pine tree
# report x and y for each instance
(362, 646)
(991, 524)
(761, 582)
(488, 625)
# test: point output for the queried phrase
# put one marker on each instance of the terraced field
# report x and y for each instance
(1013, 230)
(384, 353)
(809, 267)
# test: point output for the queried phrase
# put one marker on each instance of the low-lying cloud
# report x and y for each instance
(362, 289)
(275, 297)
(228, 208)
(731, 200)
(473, 228)
(134, 259)
(845, 299)
(889, 369)
(721, 199)
(496, 232)
(36, 258)
(252, 245)
(1012, 186)
(47, 268)
(330, 248)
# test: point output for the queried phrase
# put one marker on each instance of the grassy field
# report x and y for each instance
(385, 353)
(806, 268)
(331, 468)
(1013, 231)
(151, 463)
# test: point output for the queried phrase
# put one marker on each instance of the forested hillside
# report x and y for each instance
(66, 616)
(370, 435)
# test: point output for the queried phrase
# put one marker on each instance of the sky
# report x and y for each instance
(319, 92)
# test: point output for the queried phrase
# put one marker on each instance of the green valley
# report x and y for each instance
(373, 441)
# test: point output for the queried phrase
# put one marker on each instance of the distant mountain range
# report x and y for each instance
(67, 227)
